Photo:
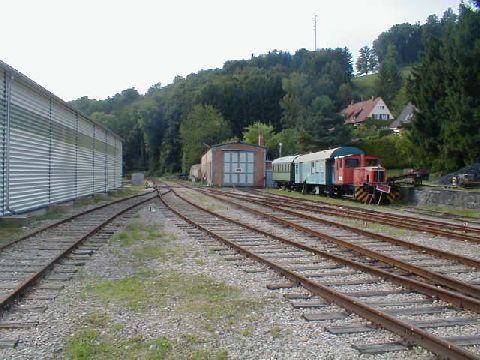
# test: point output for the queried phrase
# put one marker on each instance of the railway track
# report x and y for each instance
(464, 232)
(52, 254)
(323, 269)
(415, 259)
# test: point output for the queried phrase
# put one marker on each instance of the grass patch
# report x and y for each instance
(97, 319)
(191, 294)
(162, 253)
(247, 331)
(276, 332)
(90, 344)
(10, 232)
(214, 305)
(135, 232)
(132, 291)
(471, 213)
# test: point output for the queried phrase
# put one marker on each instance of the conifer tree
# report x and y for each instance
(362, 64)
(446, 127)
(389, 79)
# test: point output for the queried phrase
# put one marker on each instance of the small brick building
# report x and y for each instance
(234, 164)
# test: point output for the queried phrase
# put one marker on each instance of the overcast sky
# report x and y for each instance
(97, 48)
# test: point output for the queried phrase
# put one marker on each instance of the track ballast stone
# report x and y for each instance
(263, 325)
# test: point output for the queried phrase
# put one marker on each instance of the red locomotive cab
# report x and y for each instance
(345, 167)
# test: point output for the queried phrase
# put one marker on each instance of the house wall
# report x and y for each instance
(380, 109)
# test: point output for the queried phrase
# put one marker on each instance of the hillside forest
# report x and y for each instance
(296, 99)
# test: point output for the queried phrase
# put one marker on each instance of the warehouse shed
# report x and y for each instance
(234, 164)
(49, 152)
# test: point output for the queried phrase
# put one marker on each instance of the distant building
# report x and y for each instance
(357, 113)
(404, 118)
(234, 164)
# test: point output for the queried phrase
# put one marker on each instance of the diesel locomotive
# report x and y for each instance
(343, 171)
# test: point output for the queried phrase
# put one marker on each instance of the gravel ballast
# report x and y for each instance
(172, 321)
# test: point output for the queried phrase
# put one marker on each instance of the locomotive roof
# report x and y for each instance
(285, 159)
(330, 154)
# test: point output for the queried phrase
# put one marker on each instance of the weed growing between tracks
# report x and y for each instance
(91, 344)
(135, 232)
(468, 213)
(163, 282)
(184, 293)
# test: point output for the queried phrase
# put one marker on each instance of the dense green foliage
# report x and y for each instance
(445, 89)
(409, 39)
(389, 79)
(203, 126)
(367, 61)
(296, 99)
(298, 95)
(374, 138)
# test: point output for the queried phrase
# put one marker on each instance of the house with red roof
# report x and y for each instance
(357, 113)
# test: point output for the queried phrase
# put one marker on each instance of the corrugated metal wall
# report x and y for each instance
(48, 152)
(29, 149)
(118, 162)
(99, 160)
(84, 157)
(111, 169)
(3, 116)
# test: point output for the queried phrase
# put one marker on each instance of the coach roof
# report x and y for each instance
(329, 154)
(285, 159)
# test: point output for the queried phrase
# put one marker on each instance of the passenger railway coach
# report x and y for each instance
(335, 172)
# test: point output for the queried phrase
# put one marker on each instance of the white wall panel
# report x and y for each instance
(110, 161)
(100, 160)
(28, 149)
(85, 157)
(49, 153)
(63, 154)
(119, 163)
(3, 116)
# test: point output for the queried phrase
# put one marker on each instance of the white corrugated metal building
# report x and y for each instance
(49, 152)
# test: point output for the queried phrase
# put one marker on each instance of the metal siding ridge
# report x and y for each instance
(3, 116)
(63, 154)
(49, 152)
(29, 154)
(45, 93)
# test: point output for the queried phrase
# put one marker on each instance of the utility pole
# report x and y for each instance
(315, 31)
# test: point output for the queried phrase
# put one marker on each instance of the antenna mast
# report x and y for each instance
(315, 31)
